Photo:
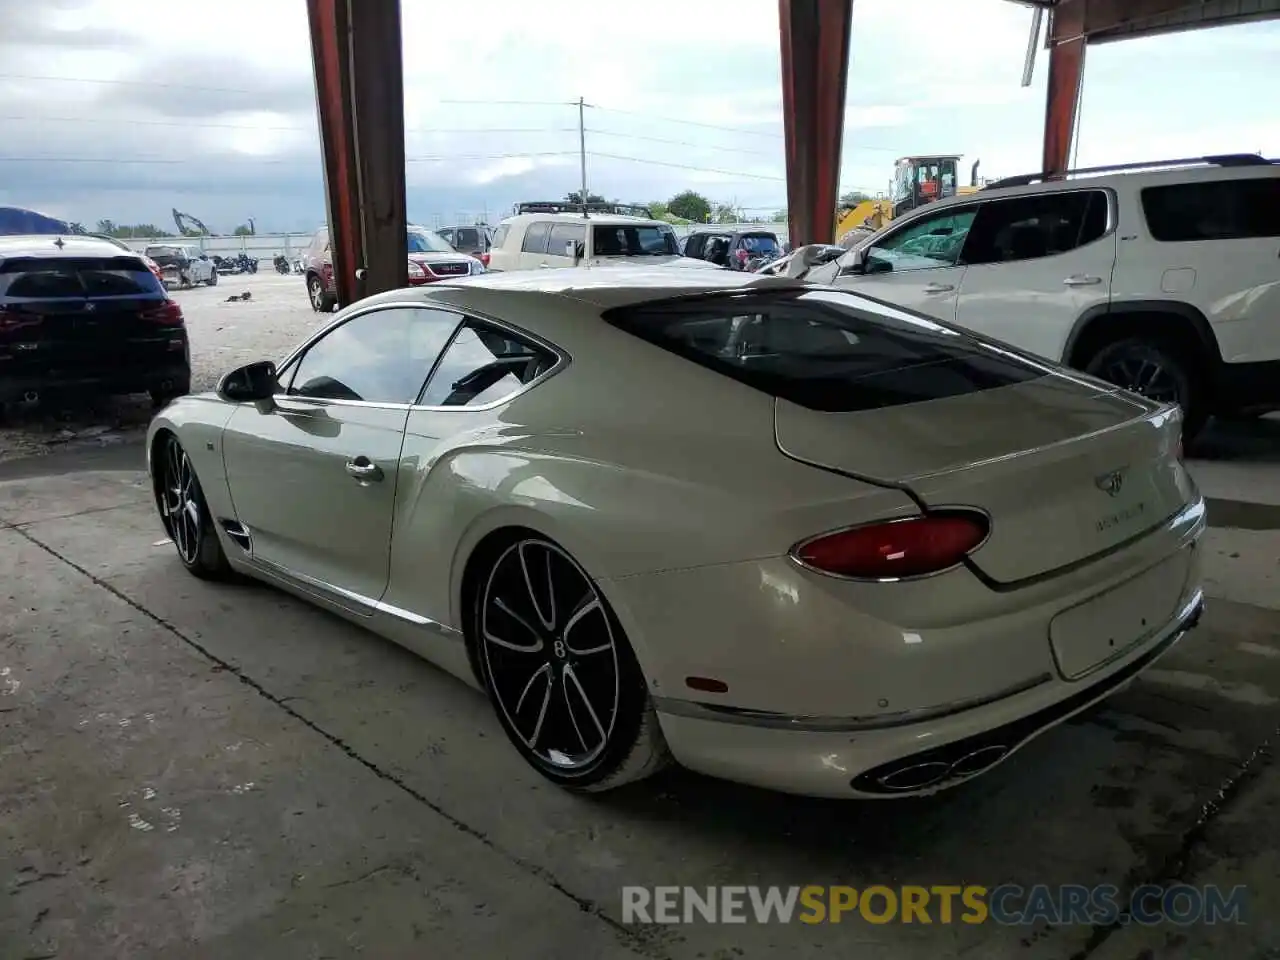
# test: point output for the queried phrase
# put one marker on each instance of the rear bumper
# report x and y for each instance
(889, 762)
(1249, 386)
(172, 374)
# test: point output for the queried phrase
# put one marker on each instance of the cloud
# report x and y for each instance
(220, 119)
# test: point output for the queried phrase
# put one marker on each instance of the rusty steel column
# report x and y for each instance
(815, 71)
(1067, 44)
(358, 62)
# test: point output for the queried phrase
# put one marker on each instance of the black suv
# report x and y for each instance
(78, 313)
(732, 249)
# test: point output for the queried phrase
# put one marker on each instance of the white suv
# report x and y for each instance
(529, 241)
(1161, 278)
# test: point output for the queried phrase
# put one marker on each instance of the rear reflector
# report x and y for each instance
(898, 549)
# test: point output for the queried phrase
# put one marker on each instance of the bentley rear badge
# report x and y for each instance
(1110, 483)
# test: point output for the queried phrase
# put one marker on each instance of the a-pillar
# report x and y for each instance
(1067, 45)
(359, 70)
(815, 70)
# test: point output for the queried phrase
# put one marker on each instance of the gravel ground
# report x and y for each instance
(223, 334)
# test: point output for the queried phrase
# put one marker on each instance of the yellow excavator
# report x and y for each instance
(916, 181)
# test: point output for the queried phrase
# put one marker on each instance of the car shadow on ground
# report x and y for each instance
(1255, 440)
(54, 422)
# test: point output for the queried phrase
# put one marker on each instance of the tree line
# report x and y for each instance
(692, 206)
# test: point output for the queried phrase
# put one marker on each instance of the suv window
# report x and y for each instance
(563, 233)
(624, 240)
(823, 349)
(79, 278)
(1037, 225)
(926, 244)
(382, 356)
(484, 365)
(467, 238)
(1221, 210)
(535, 238)
(500, 235)
(446, 233)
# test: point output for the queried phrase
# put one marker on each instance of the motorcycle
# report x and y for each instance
(282, 264)
(246, 264)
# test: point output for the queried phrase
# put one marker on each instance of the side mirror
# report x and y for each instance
(252, 382)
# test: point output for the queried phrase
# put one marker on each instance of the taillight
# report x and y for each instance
(484, 258)
(742, 256)
(168, 314)
(13, 317)
(896, 549)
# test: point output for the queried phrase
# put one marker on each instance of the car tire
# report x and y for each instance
(321, 300)
(1158, 370)
(185, 514)
(557, 667)
(213, 277)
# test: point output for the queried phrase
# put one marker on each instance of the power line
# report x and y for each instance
(247, 161)
(126, 83)
(692, 123)
(676, 143)
(201, 124)
(685, 166)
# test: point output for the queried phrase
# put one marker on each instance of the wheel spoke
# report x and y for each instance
(548, 619)
(502, 605)
(543, 671)
(590, 605)
(571, 679)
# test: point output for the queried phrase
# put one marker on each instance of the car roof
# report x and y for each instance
(603, 288)
(46, 245)
(600, 219)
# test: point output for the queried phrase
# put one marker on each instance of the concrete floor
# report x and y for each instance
(193, 770)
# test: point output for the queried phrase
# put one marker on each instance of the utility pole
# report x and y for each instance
(582, 150)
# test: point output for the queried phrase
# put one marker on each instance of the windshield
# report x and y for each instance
(617, 240)
(428, 241)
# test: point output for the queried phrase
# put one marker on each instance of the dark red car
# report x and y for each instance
(431, 258)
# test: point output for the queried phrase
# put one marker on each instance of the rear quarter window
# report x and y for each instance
(1213, 210)
(826, 350)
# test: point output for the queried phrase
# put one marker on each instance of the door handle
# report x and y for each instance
(544, 266)
(361, 468)
(1081, 281)
(938, 287)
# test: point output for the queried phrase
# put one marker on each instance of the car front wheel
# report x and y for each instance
(321, 300)
(560, 672)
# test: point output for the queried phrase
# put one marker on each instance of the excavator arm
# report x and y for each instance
(188, 225)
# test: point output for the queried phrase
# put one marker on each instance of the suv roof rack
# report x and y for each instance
(1219, 160)
(566, 206)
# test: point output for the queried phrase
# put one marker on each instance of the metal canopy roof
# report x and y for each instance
(1106, 20)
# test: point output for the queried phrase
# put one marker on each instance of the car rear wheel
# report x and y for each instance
(321, 300)
(1158, 371)
(213, 277)
(560, 672)
(185, 514)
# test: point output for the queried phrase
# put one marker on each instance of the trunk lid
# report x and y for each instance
(1064, 468)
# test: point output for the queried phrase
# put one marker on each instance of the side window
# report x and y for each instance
(500, 235)
(693, 246)
(468, 238)
(564, 233)
(535, 238)
(484, 365)
(1225, 210)
(381, 357)
(447, 234)
(926, 244)
(1039, 225)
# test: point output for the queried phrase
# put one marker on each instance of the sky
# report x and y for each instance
(106, 112)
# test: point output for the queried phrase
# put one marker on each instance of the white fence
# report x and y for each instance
(265, 246)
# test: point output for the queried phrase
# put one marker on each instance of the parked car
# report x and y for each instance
(538, 240)
(1161, 280)
(734, 249)
(183, 265)
(841, 550)
(430, 259)
(475, 239)
(78, 313)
